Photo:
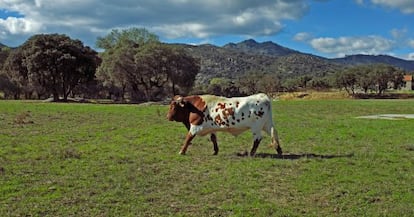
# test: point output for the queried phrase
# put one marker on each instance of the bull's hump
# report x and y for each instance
(197, 102)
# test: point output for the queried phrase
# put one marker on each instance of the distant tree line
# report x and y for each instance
(134, 65)
(370, 78)
(356, 80)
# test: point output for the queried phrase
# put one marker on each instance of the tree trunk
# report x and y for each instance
(55, 97)
(173, 88)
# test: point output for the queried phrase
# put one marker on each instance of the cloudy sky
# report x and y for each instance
(329, 28)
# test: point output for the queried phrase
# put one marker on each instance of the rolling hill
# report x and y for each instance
(371, 59)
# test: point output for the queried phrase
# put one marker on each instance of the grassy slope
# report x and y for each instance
(121, 160)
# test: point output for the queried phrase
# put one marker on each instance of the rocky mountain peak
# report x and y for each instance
(269, 48)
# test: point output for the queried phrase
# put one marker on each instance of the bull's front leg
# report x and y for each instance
(255, 145)
(187, 142)
(213, 138)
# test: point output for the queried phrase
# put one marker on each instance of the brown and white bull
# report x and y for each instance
(208, 114)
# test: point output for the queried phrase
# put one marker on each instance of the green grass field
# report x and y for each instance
(122, 160)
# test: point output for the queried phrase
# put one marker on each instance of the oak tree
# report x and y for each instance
(54, 62)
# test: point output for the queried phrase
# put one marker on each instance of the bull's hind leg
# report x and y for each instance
(213, 138)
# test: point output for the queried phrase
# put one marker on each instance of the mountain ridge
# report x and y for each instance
(236, 59)
(270, 47)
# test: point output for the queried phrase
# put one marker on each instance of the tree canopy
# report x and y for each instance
(137, 63)
(51, 64)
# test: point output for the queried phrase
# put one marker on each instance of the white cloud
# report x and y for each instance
(182, 30)
(167, 18)
(405, 6)
(302, 36)
(353, 45)
(410, 56)
(19, 25)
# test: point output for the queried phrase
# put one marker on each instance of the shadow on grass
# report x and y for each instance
(295, 156)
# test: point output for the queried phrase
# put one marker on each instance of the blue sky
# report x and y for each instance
(328, 28)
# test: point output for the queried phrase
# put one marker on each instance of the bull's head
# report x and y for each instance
(177, 111)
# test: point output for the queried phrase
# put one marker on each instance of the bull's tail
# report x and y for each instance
(270, 128)
(275, 140)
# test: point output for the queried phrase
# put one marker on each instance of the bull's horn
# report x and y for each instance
(180, 101)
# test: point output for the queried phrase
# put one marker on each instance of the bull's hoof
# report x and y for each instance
(279, 150)
(181, 152)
